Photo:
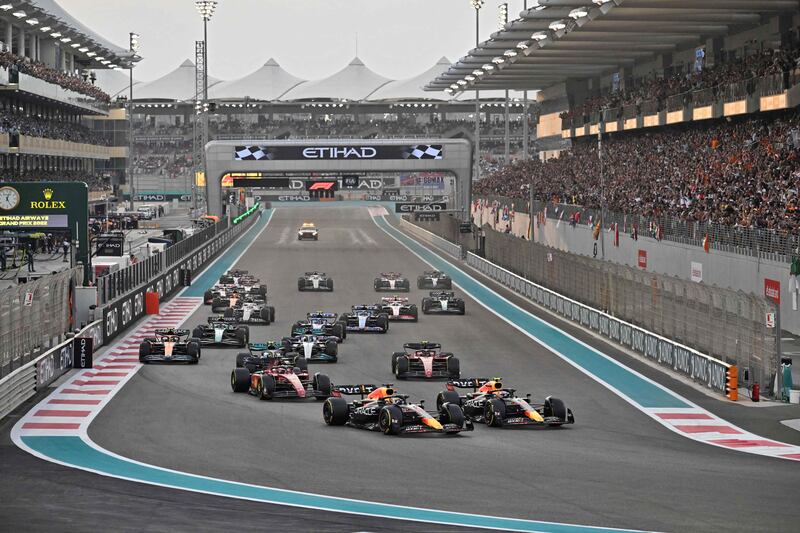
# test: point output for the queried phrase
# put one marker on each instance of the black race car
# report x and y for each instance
(392, 281)
(314, 348)
(434, 279)
(398, 308)
(490, 402)
(318, 323)
(366, 318)
(425, 360)
(443, 302)
(238, 277)
(262, 355)
(383, 409)
(250, 310)
(169, 346)
(315, 281)
(221, 331)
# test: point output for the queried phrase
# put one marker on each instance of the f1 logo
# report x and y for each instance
(321, 186)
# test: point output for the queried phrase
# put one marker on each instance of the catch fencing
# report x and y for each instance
(34, 317)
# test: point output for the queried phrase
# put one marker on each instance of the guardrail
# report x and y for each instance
(26, 381)
(433, 239)
(127, 309)
(711, 372)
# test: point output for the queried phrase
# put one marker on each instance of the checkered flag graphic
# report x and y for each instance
(425, 151)
(251, 153)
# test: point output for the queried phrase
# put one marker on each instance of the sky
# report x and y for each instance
(309, 38)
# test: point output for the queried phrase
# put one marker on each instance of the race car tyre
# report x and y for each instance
(301, 363)
(395, 357)
(390, 420)
(401, 368)
(207, 297)
(144, 350)
(462, 309)
(196, 340)
(406, 285)
(334, 412)
(339, 331)
(413, 311)
(240, 358)
(198, 332)
(265, 315)
(322, 383)
(301, 284)
(454, 367)
(216, 302)
(383, 322)
(262, 290)
(265, 387)
(226, 280)
(451, 413)
(240, 380)
(271, 313)
(420, 282)
(242, 336)
(555, 407)
(331, 348)
(447, 396)
(426, 305)
(193, 349)
(494, 412)
(228, 312)
(329, 283)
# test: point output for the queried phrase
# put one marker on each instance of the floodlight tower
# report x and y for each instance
(477, 5)
(133, 47)
(206, 9)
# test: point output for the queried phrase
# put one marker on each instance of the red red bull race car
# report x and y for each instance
(497, 406)
(383, 409)
(425, 360)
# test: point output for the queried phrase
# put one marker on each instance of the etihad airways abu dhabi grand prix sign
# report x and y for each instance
(337, 153)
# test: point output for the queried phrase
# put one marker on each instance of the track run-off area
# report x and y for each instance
(626, 463)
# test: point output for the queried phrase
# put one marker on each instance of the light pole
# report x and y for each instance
(206, 9)
(525, 146)
(502, 20)
(133, 47)
(476, 5)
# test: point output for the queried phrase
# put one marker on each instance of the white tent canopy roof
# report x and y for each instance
(268, 83)
(413, 88)
(176, 85)
(355, 82)
(115, 82)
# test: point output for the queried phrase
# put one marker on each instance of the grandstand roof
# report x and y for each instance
(563, 39)
(50, 13)
(355, 82)
(412, 88)
(268, 83)
(176, 85)
(114, 82)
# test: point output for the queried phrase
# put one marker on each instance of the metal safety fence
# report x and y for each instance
(34, 317)
(115, 284)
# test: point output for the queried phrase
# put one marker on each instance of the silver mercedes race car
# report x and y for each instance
(221, 331)
(443, 302)
(392, 281)
(251, 311)
(315, 281)
(434, 279)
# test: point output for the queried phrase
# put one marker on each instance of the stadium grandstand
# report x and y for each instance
(50, 99)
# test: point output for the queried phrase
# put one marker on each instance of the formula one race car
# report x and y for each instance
(425, 360)
(365, 318)
(320, 324)
(434, 279)
(385, 410)
(314, 348)
(498, 406)
(281, 381)
(315, 281)
(392, 281)
(398, 308)
(223, 296)
(168, 346)
(249, 310)
(443, 302)
(222, 331)
(263, 355)
(240, 278)
(307, 231)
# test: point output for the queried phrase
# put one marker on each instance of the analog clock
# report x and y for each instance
(9, 198)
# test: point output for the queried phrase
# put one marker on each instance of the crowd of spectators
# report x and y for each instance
(685, 78)
(37, 126)
(72, 82)
(740, 173)
(95, 182)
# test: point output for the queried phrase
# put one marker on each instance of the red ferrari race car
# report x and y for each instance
(281, 381)
(425, 360)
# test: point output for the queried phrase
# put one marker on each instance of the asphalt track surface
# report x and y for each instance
(614, 468)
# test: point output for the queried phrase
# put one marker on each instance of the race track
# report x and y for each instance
(615, 467)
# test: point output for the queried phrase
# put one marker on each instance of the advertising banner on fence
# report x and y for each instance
(696, 272)
(82, 352)
(772, 290)
(53, 364)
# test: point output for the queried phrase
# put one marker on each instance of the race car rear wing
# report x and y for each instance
(422, 345)
(362, 389)
(263, 346)
(321, 315)
(172, 331)
(366, 307)
(469, 383)
(221, 318)
(442, 294)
